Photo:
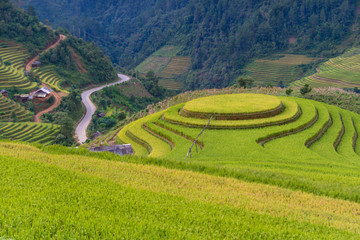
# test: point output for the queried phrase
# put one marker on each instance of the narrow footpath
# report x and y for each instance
(81, 128)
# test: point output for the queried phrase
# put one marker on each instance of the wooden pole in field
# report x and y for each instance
(201, 134)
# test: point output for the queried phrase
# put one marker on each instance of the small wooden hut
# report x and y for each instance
(125, 149)
(36, 64)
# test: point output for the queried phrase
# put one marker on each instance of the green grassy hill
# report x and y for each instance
(300, 144)
(63, 193)
(277, 68)
(341, 72)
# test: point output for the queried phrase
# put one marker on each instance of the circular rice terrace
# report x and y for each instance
(252, 120)
(233, 107)
(309, 145)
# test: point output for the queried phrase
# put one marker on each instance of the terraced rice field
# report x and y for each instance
(13, 75)
(167, 66)
(158, 60)
(171, 84)
(42, 133)
(48, 76)
(303, 145)
(63, 193)
(177, 66)
(7, 107)
(271, 72)
(13, 53)
(341, 72)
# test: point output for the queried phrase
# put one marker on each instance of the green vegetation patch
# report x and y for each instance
(167, 66)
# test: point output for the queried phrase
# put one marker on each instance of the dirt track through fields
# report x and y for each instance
(53, 93)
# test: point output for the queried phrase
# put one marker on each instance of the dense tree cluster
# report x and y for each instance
(220, 36)
(151, 83)
(99, 67)
(98, 64)
(65, 115)
(16, 24)
(113, 97)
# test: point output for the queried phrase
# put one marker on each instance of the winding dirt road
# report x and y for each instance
(57, 97)
(28, 65)
(52, 107)
(80, 131)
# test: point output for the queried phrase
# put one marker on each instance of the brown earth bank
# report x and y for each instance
(79, 64)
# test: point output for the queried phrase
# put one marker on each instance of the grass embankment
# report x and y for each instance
(73, 196)
(283, 150)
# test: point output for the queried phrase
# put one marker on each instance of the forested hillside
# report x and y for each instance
(220, 36)
(15, 24)
(64, 63)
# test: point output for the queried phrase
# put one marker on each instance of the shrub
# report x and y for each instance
(51, 100)
(245, 82)
(306, 89)
(289, 91)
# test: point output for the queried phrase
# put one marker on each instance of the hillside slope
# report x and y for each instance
(341, 72)
(296, 143)
(219, 36)
(69, 195)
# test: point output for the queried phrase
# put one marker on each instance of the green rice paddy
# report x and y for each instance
(271, 71)
(42, 133)
(340, 72)
(10, 109)
(233, 104)
(67, 195)
(309, 146)
(167, 65)
(13, 75)
(47, 76)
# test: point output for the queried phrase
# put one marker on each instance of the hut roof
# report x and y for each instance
(125, 149)
(42, 90)
(101, 115)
